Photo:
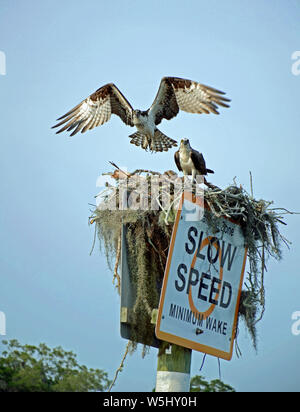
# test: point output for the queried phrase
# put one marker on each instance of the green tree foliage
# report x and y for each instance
(28, 368)
(199, 384)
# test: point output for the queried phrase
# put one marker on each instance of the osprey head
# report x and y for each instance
(140, 113)
(185, 143)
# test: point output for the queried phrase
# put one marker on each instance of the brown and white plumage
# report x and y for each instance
(96, 110)
(174, 94)
(190, 161)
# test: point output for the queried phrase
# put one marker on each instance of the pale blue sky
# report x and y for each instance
(57, 53)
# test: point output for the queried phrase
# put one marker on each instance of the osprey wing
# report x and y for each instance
(199, 162)
(165, 104)
(177, 160)
(176, 94)
(195, 97)
(96, 110)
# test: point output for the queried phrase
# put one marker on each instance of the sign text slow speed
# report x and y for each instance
(202, 283)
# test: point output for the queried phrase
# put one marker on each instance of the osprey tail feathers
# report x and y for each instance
(139, 139)
(159, 143)
(210, 171)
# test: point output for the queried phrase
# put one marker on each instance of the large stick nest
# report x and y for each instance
(149, 233)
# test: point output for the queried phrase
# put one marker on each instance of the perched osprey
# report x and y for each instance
(190, 161)
(174, 94)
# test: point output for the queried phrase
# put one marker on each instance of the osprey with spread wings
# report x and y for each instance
(174, 94)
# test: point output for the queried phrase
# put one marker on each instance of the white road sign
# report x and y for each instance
(202, 283)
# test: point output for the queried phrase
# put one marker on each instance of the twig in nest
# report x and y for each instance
(287, 212)
(251, 184)
(210, 185)
(120, 170)
(139, 171)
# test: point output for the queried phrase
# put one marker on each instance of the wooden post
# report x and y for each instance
(173, 368)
